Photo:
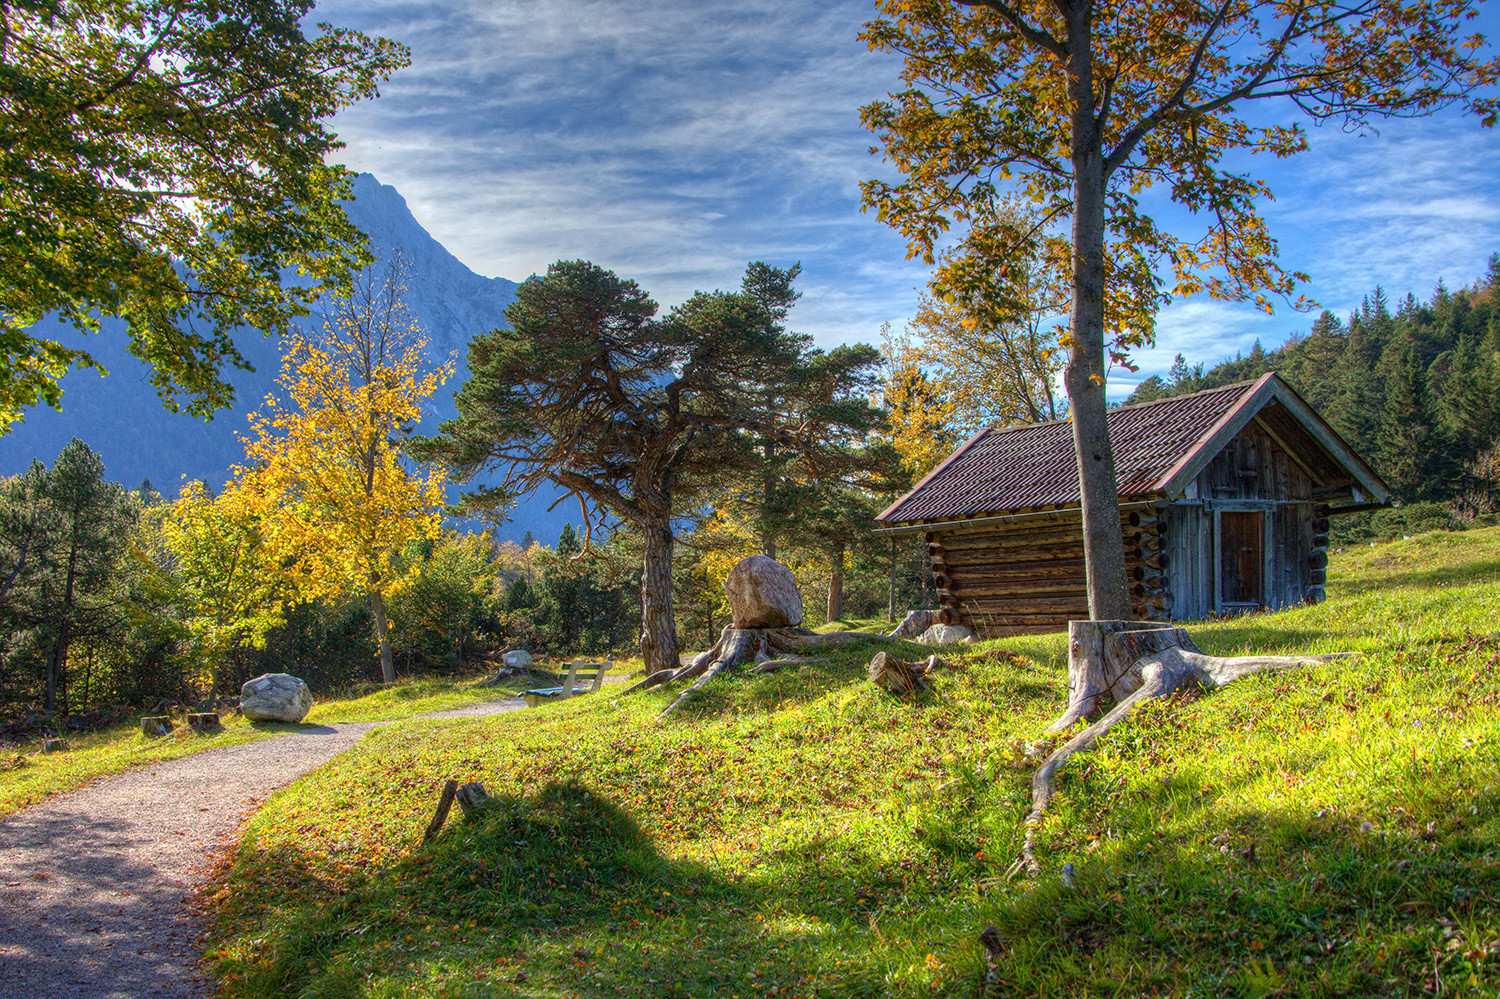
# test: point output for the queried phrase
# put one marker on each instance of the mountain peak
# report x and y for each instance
(121, 418)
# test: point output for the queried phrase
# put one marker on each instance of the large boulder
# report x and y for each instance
(275, 697)
(945, 634)
(763, 594)
(517, 659)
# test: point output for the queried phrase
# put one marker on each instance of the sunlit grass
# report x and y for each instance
(1327, 832)
(28, 776)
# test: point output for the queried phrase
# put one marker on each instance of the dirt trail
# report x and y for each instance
(92, 881)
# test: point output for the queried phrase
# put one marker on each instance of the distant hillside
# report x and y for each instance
(121, 418)
(1412, 389)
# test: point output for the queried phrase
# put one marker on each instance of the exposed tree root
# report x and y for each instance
(1130, 662)
(769, 649)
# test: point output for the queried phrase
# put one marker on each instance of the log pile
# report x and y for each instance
(1029, 577)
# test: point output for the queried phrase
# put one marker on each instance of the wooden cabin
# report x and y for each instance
(1225, 497)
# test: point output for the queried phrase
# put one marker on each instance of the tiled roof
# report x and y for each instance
(1013, 468)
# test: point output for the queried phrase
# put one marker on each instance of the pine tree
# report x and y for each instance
(1414, 456)
(69, 592)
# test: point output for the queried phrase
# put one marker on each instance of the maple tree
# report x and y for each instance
(222, 570)
(1036, 124)
(347, 499)
(163, 162)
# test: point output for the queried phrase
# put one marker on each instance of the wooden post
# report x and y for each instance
(450, 788)
(471, 797)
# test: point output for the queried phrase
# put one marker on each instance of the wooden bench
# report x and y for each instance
(578, 672)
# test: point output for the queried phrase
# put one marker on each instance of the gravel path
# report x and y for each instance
(92, 881)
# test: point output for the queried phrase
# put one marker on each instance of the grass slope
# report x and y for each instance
(1329, 832)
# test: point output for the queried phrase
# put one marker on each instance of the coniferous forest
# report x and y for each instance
(1413, 386)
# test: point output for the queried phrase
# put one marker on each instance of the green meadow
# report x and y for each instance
(1330, 831)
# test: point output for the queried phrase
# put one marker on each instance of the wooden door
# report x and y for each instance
(1241, 557)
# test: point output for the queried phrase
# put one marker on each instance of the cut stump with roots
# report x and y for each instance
(765, 650)
(1130, 663)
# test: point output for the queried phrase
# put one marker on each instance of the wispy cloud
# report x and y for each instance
(674, 141)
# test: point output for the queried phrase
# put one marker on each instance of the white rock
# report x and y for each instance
(519, 659)
(275, 697)
(763, 594)
(945, 634)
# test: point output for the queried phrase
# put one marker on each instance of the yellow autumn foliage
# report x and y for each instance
(348, 498)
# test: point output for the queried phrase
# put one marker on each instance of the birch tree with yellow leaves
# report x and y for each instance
(348, 497)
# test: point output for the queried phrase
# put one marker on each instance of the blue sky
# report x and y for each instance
(673, 141)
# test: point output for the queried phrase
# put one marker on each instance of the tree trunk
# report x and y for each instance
(836, 586)
(59, 657)
(1104, 549)
(658, 626)
(890, 611)
(382, 635)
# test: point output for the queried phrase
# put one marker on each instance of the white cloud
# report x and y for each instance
(674, 141)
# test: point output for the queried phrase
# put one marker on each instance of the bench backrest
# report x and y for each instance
(597, 676)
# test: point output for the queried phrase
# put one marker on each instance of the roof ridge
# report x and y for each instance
(1136, 405)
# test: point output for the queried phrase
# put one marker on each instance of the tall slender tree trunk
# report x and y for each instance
(382, 635)
(895, 558)
(1103, 545)
(58, 658)
(658, 626)
(836, 586)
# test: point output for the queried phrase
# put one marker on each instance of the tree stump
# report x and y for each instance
(153, 726)
(54, 745)
(904, 679)
(1129, 663)
(203, 721)
(472, 798)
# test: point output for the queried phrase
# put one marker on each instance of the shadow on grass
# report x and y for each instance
(562, 885)
(299, 728)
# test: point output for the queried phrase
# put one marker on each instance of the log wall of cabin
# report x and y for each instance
(1027, 576)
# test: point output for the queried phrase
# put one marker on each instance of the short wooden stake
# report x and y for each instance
(450, 788)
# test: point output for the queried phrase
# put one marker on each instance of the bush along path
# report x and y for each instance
(94, 883)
